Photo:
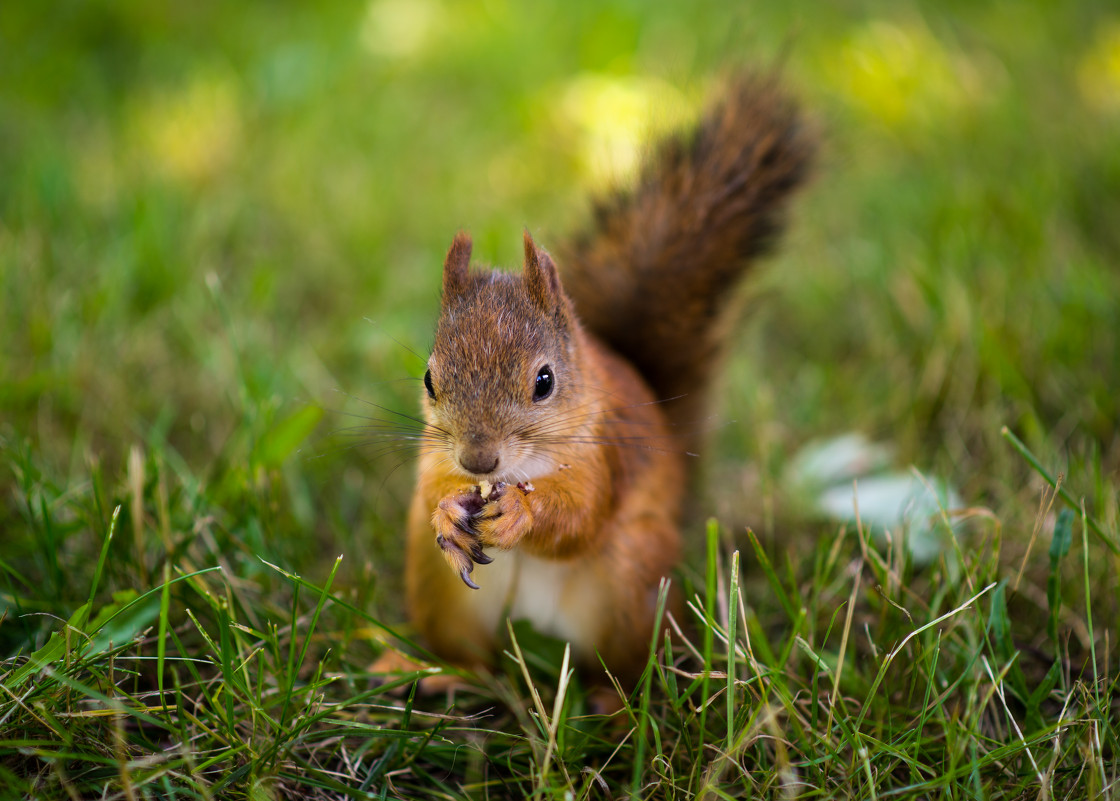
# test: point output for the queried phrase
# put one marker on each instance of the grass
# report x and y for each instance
(219, 244)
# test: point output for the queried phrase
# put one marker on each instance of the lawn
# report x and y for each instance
(221, 231)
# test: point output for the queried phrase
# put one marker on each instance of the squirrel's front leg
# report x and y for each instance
(465, 521)
(506, 517)
(454, 521)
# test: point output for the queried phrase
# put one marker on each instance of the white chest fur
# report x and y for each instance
(561, 599)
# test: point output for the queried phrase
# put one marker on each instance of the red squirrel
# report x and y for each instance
(562, 401)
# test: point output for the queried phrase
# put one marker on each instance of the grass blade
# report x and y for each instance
(1016, 443)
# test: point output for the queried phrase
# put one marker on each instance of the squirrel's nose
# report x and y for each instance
(480, 461)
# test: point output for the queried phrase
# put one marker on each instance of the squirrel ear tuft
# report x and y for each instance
(541, 276)
(456, 265)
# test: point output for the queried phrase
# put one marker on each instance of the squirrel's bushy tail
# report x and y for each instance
(655, 273)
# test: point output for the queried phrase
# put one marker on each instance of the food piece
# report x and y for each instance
(484, 489)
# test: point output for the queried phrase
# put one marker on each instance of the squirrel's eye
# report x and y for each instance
(543, 386)
(428, 384)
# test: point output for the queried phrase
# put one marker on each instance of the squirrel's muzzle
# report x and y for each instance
(481, 459)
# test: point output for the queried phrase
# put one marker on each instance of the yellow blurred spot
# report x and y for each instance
(617, 118)
(1098, 74)
(397, 29)
(903, 75)
(190, 135)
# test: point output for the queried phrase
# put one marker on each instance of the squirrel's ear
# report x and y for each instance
(456, 264)
(541, 276)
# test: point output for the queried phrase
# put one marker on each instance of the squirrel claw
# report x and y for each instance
(465, 575)
(479, 555)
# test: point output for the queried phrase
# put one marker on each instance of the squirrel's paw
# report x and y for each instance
(506, 516)
(456, 533)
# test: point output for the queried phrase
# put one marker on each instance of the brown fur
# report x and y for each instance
(584, 524)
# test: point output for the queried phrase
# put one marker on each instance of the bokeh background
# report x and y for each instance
(221, 229)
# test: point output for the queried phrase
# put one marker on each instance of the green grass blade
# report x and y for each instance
(101, 562)
(1016, 443)
(732, 639)
(647, 679)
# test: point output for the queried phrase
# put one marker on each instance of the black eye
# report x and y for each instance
(543, 386)
(428, 384)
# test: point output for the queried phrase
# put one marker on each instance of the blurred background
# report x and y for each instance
(222, 225)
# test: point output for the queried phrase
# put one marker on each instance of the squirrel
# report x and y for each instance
(561, 402)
